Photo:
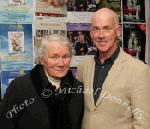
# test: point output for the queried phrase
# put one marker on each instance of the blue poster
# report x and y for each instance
(8, 76)
(16, 11)
(16, 47)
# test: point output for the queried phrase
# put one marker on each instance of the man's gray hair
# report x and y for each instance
(40, 53)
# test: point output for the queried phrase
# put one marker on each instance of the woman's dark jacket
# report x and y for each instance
(31, 102)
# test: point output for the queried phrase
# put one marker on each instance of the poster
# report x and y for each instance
(8, 76)
(80, 11)
(134, 10)
(16, 47)
(15, 41)
(51, 7)
(82, 44)
(45, 26)
(134, 38)
(79, 17)
(16, 11)
(80, 37)
(81, 5)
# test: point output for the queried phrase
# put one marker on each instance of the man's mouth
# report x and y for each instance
(101, 42)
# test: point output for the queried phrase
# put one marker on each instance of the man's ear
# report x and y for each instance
(90, 30)
(119, 30)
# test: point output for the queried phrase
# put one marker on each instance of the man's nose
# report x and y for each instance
(101, 33)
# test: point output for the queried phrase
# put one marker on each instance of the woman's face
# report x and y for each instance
(57, 60)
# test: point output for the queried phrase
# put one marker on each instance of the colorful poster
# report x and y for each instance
(134, 38)
(134, 10)
(8, 76)
(81, 42)
(16, 11)
(16, 47)
(80, 37)
(50, 7)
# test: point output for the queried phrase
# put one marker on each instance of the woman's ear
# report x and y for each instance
(41, 60)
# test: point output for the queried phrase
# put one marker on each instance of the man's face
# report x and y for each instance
(104, 33)
(56, 60)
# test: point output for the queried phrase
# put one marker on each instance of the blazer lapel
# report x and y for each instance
(89, 88)
(112, 75)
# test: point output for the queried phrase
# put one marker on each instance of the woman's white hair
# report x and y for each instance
(40, 53)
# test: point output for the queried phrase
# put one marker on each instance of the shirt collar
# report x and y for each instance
(111, 59)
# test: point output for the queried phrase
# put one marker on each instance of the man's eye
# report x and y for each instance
(107, 28)
(66, 56)
(95, 28)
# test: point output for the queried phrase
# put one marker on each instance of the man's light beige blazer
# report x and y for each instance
(124, 102)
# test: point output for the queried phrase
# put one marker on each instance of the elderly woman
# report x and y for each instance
(49, 97)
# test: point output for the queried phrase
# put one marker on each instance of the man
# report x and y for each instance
(116, 86)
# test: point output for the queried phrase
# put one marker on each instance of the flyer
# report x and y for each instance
(45, 26)
(16, 11)
(79, 17)
(16, 47)
(50, 7)
(134, 10)
(82, 44)
(8, 76)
